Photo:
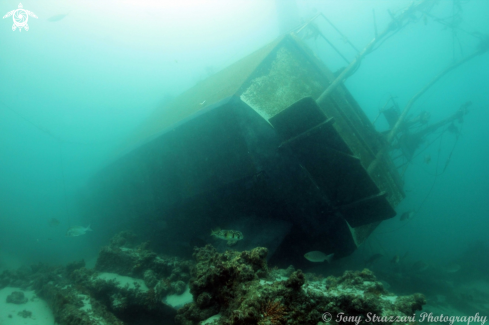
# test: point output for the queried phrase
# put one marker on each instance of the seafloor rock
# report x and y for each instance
(228, 287)
(221, 282)
(25, 314)
(124, 261)
(165, 273)
(81, 296)
(71, 306)
(129, 299)
(16, 297)
(17, 279)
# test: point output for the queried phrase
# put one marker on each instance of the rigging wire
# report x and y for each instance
(21, 116)
(385, 39)
(60, 152)
(450, 22)
(421, 205)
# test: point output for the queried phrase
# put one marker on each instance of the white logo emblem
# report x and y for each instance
(20, 17)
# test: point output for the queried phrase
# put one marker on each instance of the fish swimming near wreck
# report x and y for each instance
(318, 257)
(77, 231)
(232, 236)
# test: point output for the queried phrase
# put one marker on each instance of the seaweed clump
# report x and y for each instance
(16, 297)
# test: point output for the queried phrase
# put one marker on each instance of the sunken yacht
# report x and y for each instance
(273, 147)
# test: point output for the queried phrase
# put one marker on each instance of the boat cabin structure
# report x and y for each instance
(251, 149)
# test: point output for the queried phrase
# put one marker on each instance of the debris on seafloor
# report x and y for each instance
(129, 285)
(132, 285)
(237, 288)
(16, 297)
(25, 314)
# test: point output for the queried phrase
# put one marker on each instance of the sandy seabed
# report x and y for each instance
(9, 313)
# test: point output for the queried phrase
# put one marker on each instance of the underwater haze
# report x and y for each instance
(74, 87)
(87, 74)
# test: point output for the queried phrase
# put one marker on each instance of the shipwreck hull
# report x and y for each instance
(249, 149)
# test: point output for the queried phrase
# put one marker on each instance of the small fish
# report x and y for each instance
(77, 231)
(230, 235)
(395, 259)
(54, 222)
(317, 257)
(407, 215)
(427, 159)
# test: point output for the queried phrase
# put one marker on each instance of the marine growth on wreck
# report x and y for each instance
(130, 284)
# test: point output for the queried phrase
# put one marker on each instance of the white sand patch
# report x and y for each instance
(346, 290)
(87, 307)
(391, 299)
(317, 287)
(179, 300)
(41, 314)
(279, 278)
(211, 319)
(124, 280)
(262, 282)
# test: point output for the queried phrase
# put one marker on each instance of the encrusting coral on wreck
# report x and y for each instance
(239, 289)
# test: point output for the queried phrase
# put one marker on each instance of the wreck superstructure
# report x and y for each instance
(250, 149)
